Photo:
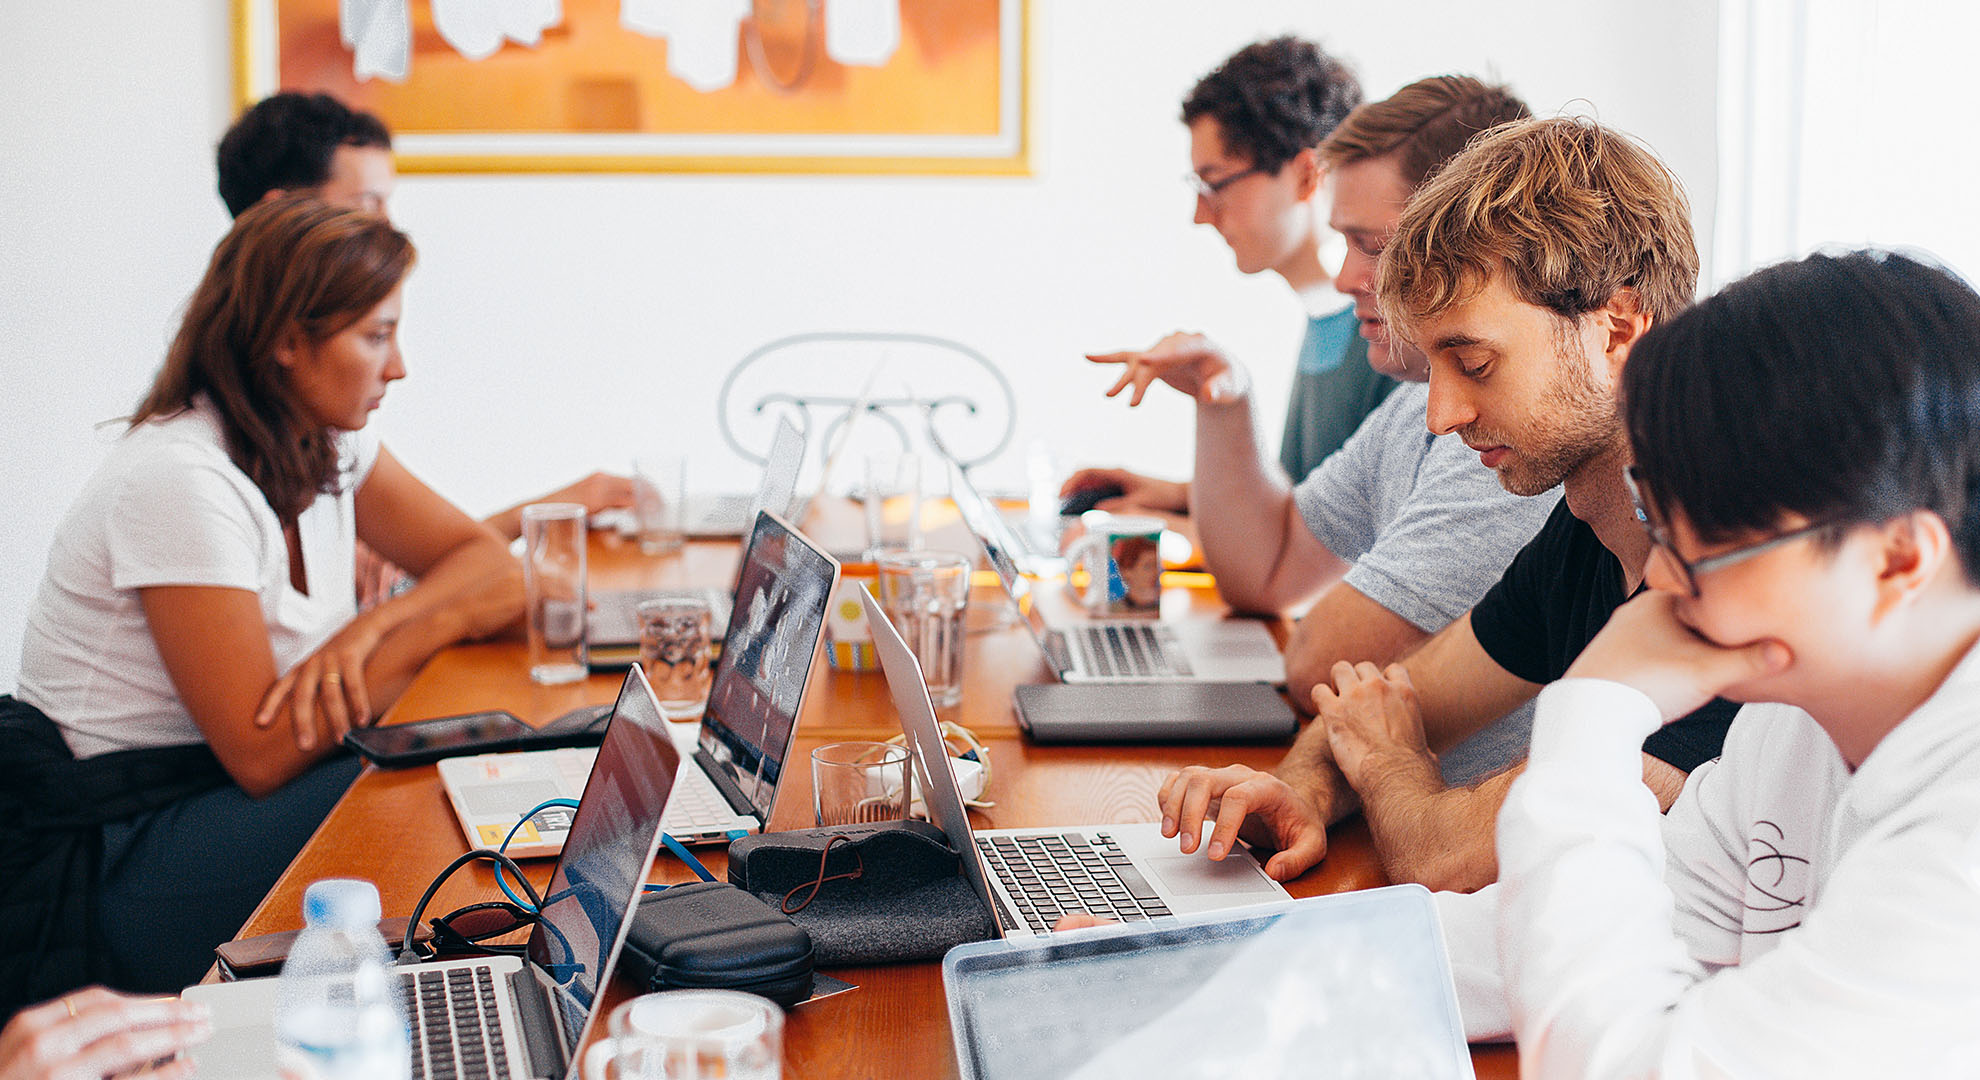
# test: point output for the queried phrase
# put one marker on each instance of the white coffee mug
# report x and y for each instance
(1122, 555)
(691, 1035)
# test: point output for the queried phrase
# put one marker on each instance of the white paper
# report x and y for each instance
(469, 26)
(380, 33)
(862, 32)
(702, 45)
(477, 29)
(524, 21)
(647, 17)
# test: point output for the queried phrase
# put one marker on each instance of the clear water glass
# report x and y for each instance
(554, 591)
(674, 649)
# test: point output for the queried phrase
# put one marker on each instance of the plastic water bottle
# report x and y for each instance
(338, 1013)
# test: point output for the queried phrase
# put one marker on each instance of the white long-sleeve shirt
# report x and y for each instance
(1787, 918)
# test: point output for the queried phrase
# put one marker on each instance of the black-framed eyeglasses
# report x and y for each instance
(1688, 570)
(1209, 190)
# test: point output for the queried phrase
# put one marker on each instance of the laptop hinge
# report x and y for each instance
(1058, 653)
(541, 1044)
(737, 801)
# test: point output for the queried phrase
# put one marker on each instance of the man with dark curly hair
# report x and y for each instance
(1255, 125)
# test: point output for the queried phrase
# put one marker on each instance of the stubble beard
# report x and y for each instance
(1575, 421)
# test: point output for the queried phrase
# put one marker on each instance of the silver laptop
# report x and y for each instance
(612, 628)
(714, 516)
(734, 757)
(1030, 877)
(1356, 984)
(527, 1016)
(1080, 648)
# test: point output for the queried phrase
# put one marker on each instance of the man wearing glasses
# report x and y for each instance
(1525, 270)
(1253, 126)
(1400, 531)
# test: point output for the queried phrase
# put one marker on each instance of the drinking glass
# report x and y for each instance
(553, 591)
(660, 504)
(857, 782)
(673, 648)
(892, 499)
(925, 594)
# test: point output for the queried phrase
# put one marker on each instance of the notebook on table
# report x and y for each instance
(735, 756)
(1356, 984)
(612, 627)
(1114, 649)
(516, 1016)
(1168, 712)
(1028, 878)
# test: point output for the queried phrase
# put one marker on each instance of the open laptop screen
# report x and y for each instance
(777, 491)
(782, 590)
(1356, 984)
(994, 534)
(611, 842)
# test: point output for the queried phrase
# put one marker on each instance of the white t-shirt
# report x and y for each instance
(1787, 918)
(168, 507)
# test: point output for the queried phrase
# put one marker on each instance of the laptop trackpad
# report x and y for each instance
(1199, 878)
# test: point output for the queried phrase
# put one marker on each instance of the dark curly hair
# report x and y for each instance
(1275, 98)
(286, 141)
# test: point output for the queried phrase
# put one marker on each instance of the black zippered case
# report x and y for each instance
(710, 935)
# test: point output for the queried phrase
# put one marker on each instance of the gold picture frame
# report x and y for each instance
(954, 98)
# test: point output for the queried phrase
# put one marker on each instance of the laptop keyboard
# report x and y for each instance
(1132, 650)
(729, 510)
(1051, 875)
(696, 805)
(455, 1032)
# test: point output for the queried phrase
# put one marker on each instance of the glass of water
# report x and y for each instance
(660, 504)
(857, 783)
(673, 648)
(553, 590)
(892, 500)
(925, 594)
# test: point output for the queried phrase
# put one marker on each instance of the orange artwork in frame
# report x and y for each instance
(949, 97)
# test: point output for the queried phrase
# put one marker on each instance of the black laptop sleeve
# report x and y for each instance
(909, 901)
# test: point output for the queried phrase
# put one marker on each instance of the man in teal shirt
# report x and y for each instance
(1254, 126)
(1333, 390)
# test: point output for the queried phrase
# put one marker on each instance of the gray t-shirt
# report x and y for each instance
(1428, 528)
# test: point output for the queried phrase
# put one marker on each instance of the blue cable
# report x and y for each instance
(513, 830)
(673, 845)
(687, 857)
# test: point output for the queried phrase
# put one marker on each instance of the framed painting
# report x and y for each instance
(782, 86)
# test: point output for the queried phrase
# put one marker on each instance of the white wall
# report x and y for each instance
(557, 323)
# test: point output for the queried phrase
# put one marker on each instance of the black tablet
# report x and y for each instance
(399, 745)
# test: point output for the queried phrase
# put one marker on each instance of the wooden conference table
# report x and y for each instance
(395, 827)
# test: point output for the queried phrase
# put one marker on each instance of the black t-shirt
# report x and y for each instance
(1558, 593)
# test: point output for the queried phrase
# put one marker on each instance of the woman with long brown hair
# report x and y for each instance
(195, 640)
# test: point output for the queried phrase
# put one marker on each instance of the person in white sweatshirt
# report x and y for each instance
(1807, 466)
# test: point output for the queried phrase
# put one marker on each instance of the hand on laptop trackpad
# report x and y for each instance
(1197, 875)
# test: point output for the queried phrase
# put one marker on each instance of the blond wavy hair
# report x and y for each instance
(1422, 125)
(1569, 211)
